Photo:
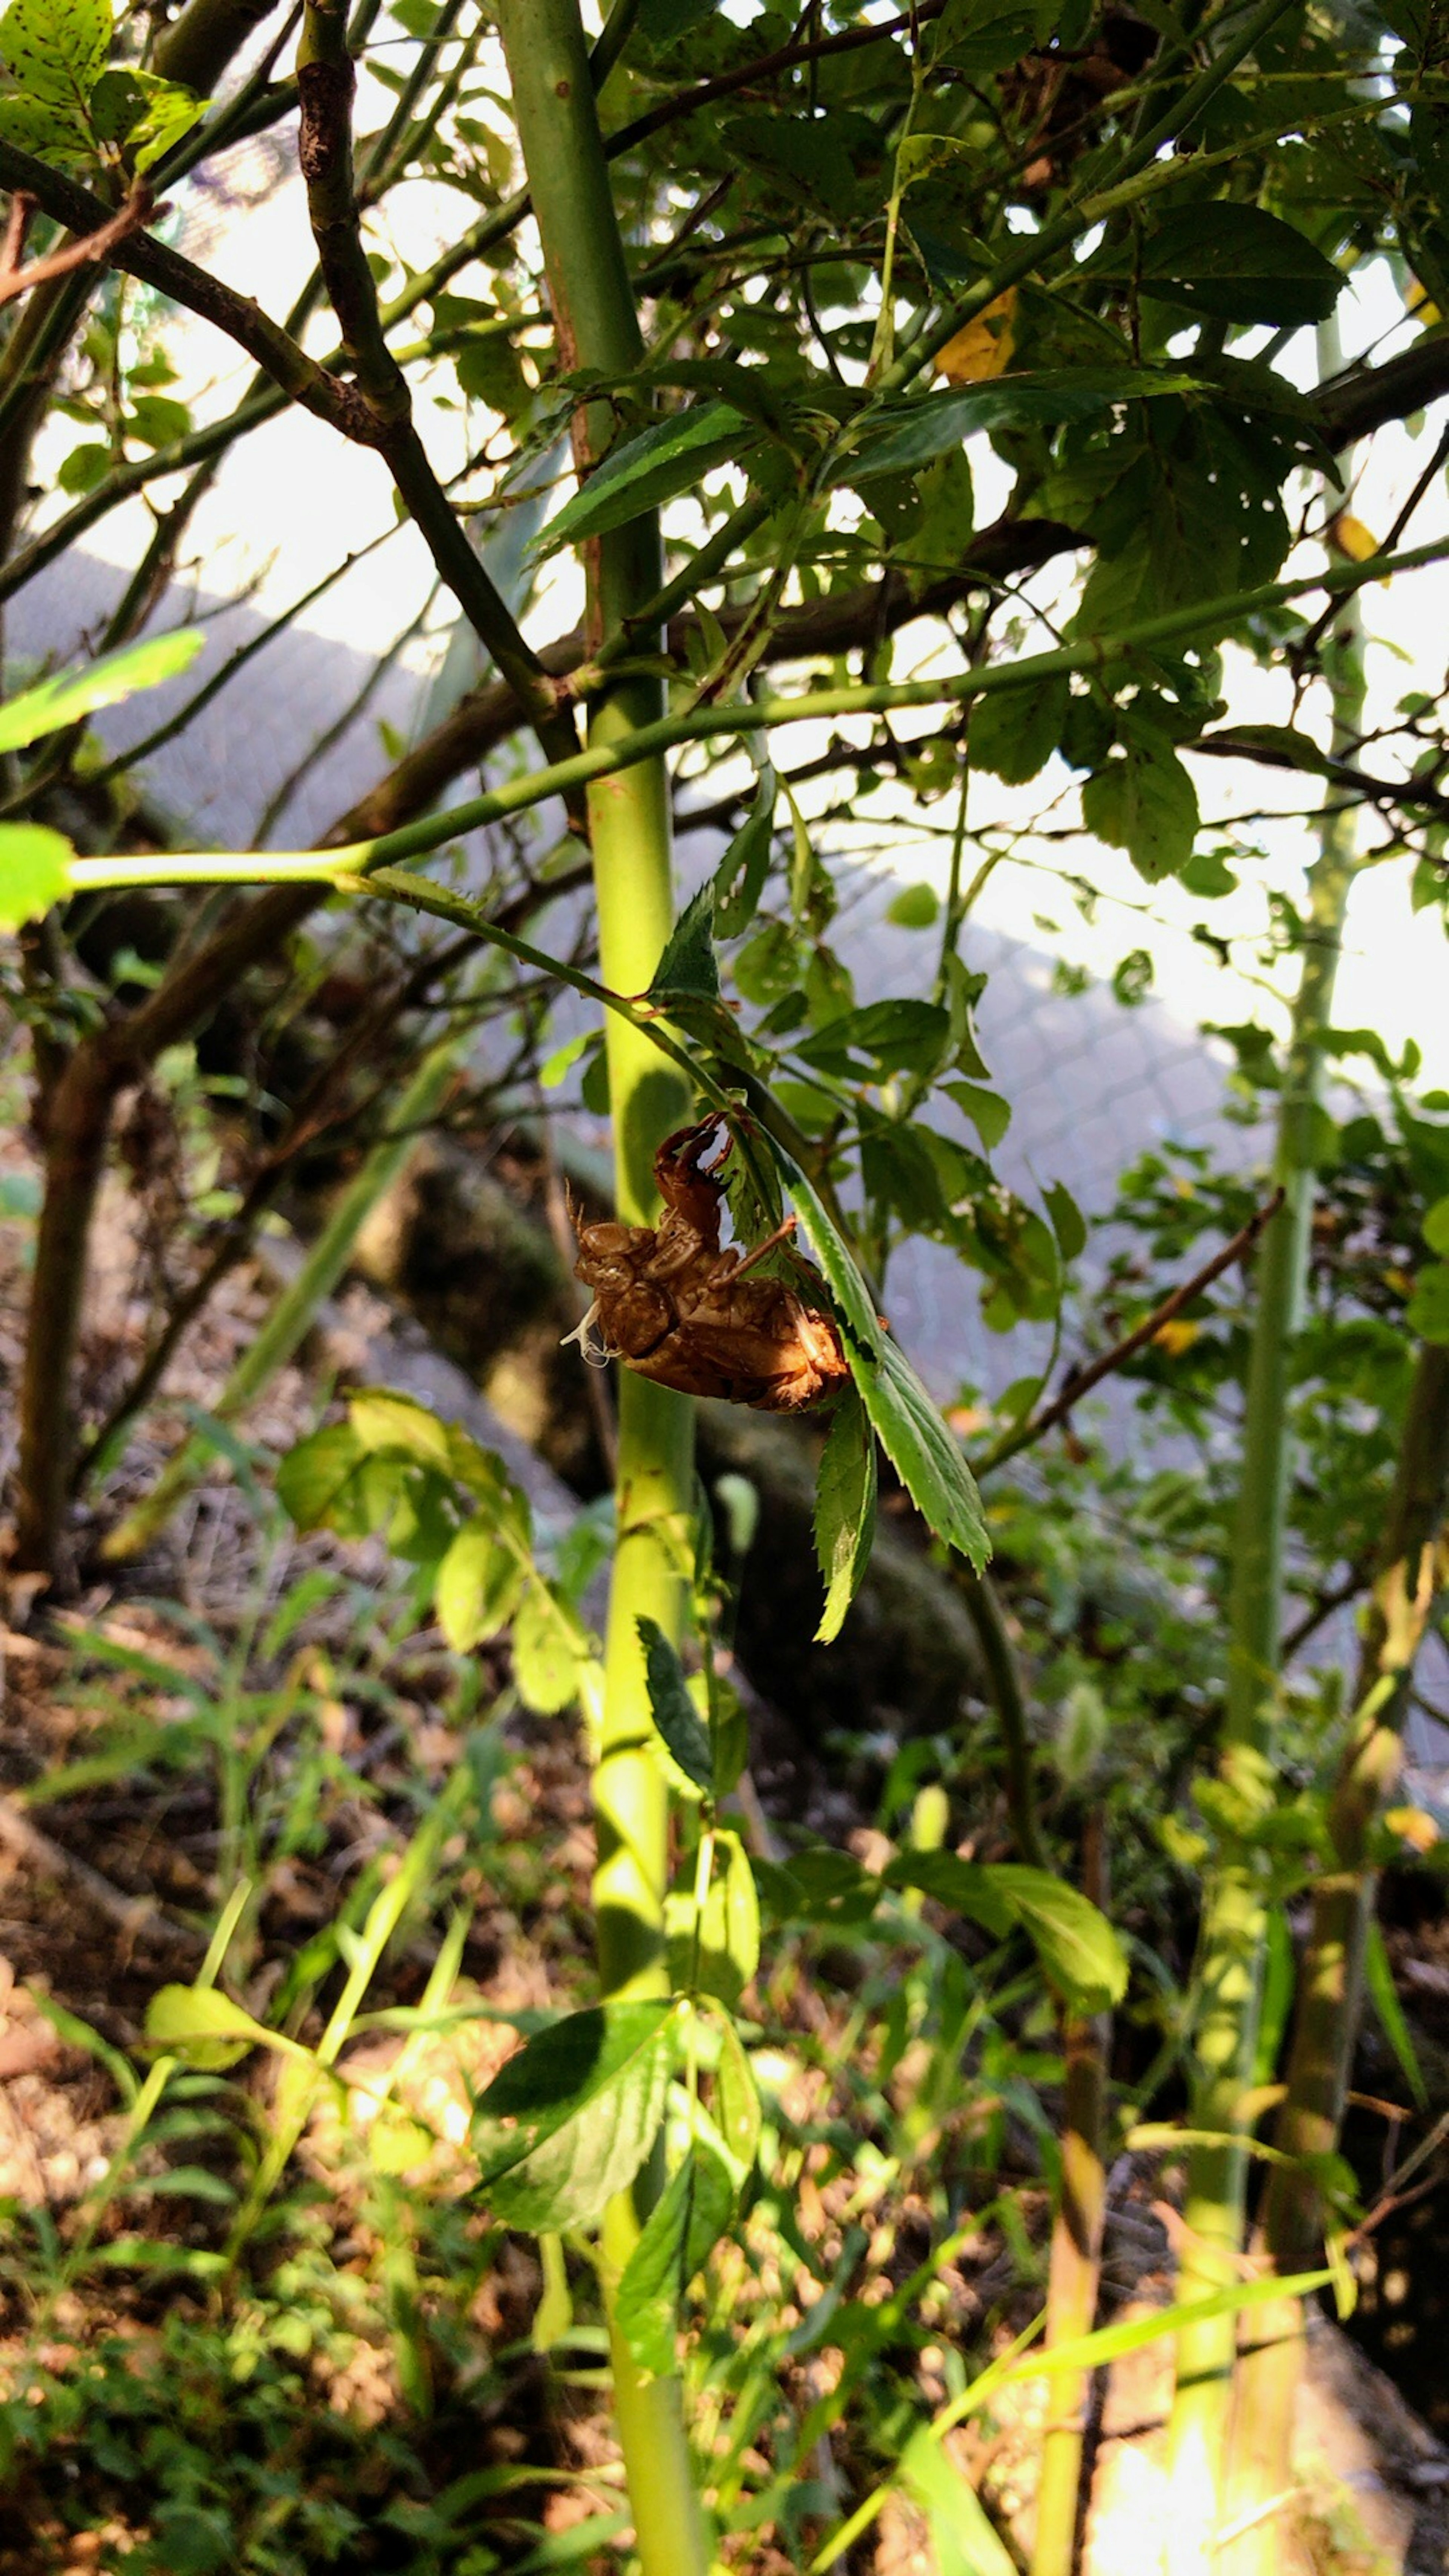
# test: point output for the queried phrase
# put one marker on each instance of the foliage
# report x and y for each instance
(794, 297)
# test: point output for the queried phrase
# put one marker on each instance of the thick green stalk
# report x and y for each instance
(295, 1310)
(1408, 1584)
(1076, 2257)
(629, 830)
(1233, 1940)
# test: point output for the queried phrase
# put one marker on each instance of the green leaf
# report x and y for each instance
(649, 470)
(736, 2095)
(209, 2028)
(911, 434)
(329, 1482)
(688, 963)
(1076, 1945)
(143, 113)
(965, 1886)
(395, 1426)
(1144, 802)
(570, 2119)
(844, 1511)
(1384, 1996)
(922, 1451)
(56, 49)
(51, 133)
(680, 2233)
(985, 35)
(1278, 743)
(898, 1037)
(1068, 1223)
(673, 1710)
(34, 871)
(741, 873)
(1436, 1227)
(478, 1585)
(1428, 1308)
(916, 907)
(836, 1261)
(72, 694)
(717, 1953)
(1014, 732)
(545, 1653)
(989, 1114)
(1237, 263)
(1078, 1949)
(964, 2541)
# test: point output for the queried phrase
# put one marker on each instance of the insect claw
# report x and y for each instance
(593, 1352)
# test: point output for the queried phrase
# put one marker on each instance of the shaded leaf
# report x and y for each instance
(921, 1449)
(688, 963)
(673, 1710)
(680, 2233)
(845, 1497)
(741, 873)
(1144, 802)
(649, 470)
(570, 2119)
(478, 1585)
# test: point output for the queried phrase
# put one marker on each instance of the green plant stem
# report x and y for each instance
(612, 749)
(1407, 1588)
(1076, 2254)
(293, 1314)
(1233, 1938)
(983, 1602)
(629, 832)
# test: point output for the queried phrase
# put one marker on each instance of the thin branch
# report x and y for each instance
(1081, 1381)
(89, 250)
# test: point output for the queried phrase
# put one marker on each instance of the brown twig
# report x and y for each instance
(1081, 1381)
(88, 246)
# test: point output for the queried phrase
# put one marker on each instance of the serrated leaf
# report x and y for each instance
(72, 694)
(34, 872)
(835, 1260)
(1234, 262)
(922, 1451)
(649, 470)
(688, 963)
(741, 873)
(898, 1037)
(56, 49)
(1144, 802)
(680, 2233)
(1013, 732)
(478, 1585)
(845, 1497)
(585, 2100)
(671, 1707)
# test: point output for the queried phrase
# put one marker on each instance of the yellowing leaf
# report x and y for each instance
(984, 348)
(1413, 1825)
(1352, 538)
(1176, 1337)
